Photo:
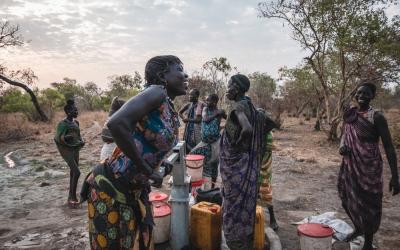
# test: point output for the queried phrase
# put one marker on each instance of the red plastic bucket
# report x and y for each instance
(315, 236)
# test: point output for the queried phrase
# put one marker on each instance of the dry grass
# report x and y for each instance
(15, 126)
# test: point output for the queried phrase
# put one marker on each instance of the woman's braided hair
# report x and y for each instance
(157, 66)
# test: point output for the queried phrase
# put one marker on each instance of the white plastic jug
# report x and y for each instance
(194, 164)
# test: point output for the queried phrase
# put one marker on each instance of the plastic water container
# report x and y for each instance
(205, 226)
(259, 225)
(162, 221)
(194, 164)
(315, 236)
(157, 196)
(195, 185)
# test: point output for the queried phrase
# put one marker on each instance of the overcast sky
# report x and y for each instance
(89, 40)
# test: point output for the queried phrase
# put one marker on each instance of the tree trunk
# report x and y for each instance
(302, 107)
(327, 105)
(332, 134)
(43, 116)
(317, 126)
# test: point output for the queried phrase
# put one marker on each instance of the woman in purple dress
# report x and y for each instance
(240, 159)
(360, 183)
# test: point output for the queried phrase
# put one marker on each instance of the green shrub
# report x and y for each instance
(13, 100)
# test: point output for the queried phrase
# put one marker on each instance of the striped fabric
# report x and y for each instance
(360, 180)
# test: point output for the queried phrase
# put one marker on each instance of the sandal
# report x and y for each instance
(73, 204)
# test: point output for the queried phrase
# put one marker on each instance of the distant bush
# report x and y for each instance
(51, 100)
(395, 130)
(14, 101)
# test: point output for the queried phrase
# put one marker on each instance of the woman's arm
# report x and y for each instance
(207, 118)
(182, 110)
(123, 122)
(343, 148)
(197, 114)
(223, 114)
(60, 136)
(384, 133)
(246, 129)
(196, 119)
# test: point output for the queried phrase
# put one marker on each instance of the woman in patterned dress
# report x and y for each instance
(145, 129)
(265, 177)
(192, 119)
(210, 134)
(360, 182)
(240, 158)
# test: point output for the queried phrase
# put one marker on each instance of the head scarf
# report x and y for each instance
(116, 104)
(242, 82)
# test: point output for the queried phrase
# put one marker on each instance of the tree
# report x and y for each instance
(52, 100)
(262, 89)
(216, 71)
(299, 89)
(9, 37)
(137, 80)
(92, 96)
(354, 36)
(119, 85)
(69, 88)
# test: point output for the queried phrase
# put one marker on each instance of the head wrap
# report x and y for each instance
(242, 82)
(68, 107)
(115, 105)
(371, 86)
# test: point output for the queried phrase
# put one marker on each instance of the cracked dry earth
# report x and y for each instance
(33, 213)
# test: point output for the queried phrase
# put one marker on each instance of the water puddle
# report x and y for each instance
(39, 240)
(9, 162)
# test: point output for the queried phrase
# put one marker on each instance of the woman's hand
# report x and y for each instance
(243, 138)
(221, 113)
(68, 139)
(394, 186)
(167, 168)
(156, 179)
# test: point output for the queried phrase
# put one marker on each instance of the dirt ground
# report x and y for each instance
(33, 213)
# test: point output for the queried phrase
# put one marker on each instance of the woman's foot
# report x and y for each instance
(367, 247)
(274, 225)
(353, 235)
(73, 203)
(272, 221)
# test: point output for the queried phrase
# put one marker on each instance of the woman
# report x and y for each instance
(210, 135)
(360, 181)
(240, 144)
(265, 177)
(69, 141)
(145, 129)
(109, 144)
(194, 109)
